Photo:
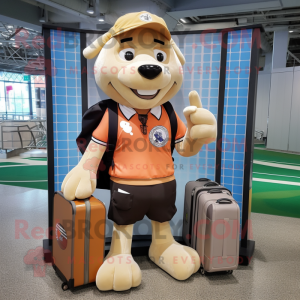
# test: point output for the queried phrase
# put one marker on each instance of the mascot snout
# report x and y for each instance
(145, 75)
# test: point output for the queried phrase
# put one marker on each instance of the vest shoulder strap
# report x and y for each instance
(112, 107)
(173, 121)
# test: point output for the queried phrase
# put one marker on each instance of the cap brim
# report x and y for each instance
(152, 25)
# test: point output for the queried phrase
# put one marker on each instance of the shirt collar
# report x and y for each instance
(129, 112)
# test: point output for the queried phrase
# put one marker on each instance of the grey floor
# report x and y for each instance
(274, 272)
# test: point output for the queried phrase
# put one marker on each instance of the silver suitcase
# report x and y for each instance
(216, 225)
(192, 189)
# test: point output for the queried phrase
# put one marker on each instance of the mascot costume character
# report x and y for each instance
(128, 141)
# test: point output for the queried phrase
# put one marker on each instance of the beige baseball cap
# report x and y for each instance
(125, 23)
(140, 19)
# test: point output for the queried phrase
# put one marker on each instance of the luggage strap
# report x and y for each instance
(226, 220)
(87, 240)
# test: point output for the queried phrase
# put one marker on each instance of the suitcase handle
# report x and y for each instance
(203, 179)
(215, 191)
(224, 201)
(211, 183)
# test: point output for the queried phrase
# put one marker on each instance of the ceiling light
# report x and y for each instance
(242, 21)
(91, 7)
(101, 18)
(44, 16)
(182, 20)
(10, 26)
(291, 31)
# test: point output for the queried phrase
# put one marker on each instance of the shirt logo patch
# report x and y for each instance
(126, 127)
(159, 136)
(145, 17)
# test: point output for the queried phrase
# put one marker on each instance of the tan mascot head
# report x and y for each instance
(139, 64)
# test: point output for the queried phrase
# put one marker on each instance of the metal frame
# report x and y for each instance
(15, 55)
(250, 129)
(83, 61)
(33, 142)
(220, 115)
(18, 117)
(50, 144)
(19, 58)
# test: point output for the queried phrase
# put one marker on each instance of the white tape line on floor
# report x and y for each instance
(275, 175)
(10, 166)
(280, 162)
(276, 181)
(275, 165)
(23, 181)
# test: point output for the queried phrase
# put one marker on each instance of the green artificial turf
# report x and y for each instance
(29, 173)
(259, 145)
(9, 164)
(275, 198)
(279, 157)
(37, 158)
(266, 172)
(34, 185)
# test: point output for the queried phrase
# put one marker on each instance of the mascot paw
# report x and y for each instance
(118, 273)
(177, 260)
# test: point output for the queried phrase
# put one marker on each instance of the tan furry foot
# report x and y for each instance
(177, 260)
(118, 273)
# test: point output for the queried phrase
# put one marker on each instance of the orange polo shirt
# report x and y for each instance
(138, 155)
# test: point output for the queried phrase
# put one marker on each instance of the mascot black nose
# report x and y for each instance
(149, 71)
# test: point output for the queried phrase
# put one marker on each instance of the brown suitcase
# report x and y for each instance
(78, 239)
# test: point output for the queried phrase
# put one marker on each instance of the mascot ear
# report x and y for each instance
(93, 49)
(178, 52)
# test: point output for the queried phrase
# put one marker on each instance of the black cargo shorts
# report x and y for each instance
(130, 203)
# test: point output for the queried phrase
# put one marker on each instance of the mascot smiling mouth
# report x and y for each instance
(146, 94)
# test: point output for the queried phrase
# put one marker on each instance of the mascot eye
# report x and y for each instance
(160, 55)
(127, 54)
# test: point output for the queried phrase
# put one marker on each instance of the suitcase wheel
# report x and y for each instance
(64, 286)
(230, 271)
(202, 272)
